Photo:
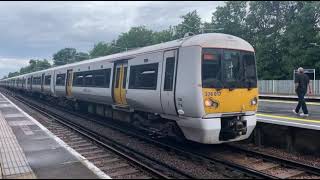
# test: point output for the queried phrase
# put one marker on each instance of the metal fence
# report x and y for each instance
(284, 87)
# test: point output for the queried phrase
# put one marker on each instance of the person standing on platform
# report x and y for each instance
(302, 84)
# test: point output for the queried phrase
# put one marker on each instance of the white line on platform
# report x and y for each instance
(82, 159)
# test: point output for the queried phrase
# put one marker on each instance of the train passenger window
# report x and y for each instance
(36, 81)
(78, 79)
(144, 76)
(95, 78)
(169, 74)
(47, 80)
(100, 77)
(61, 79)
(88, 80)
(211, 68)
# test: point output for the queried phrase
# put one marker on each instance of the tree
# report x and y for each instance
(191, 23)
(163, 36)
(302, 30)
(13, 74)
(281, 34)
(231, 18)
(69, 55)
(81, 56)
(64, 56)
(104, 49)
(136, 37)
(35, 65)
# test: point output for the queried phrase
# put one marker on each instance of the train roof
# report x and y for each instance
(209, 40)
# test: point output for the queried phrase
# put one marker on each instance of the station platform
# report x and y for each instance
(280, 112)
(30, 151)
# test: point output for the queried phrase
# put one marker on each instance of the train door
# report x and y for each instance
(23, 81)
(53, 83)
(119, 85)
(69, 82)
(42, 82)
(168, 84)
(31, 81)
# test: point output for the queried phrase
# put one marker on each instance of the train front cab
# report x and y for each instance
(224, 94)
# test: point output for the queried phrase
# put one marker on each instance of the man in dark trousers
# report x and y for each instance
(302, 84)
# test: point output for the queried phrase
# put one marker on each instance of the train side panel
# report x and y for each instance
(140, 98)
(100, 95)
(188, 88)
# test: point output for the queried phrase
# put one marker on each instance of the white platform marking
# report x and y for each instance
(14, 115)
(82, 159)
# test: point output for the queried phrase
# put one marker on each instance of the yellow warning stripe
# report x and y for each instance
(289, 118)
(288, 102)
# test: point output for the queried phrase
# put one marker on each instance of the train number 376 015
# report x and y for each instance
(213, 93)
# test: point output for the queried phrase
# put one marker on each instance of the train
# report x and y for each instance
(201, 88)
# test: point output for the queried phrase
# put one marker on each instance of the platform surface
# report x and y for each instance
(29, 150)
(280, 112)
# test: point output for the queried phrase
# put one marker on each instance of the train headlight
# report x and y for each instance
(210, 103)
(254, 101)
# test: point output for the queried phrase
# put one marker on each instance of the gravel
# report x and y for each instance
(305, 159)
(196, 169)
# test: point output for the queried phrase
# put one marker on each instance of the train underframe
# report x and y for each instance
(224, 129)
(151, 123)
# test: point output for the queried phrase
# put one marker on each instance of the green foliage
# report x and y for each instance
(13, 74)
(136, 37)
(280, 32)
(104, 49)
(64, 56)
(34, 65)
(191, 23)
(163, 36)
(69, 55)
(231, 18)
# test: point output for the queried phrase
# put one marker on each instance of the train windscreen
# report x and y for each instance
(222, 68)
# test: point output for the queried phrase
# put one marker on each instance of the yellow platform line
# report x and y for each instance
(288, 102)
(289, 118)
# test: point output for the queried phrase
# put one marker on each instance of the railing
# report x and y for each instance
(284, 87)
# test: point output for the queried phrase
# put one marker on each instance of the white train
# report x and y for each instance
(202, 87)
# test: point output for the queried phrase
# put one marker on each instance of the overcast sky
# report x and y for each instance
(39, 29)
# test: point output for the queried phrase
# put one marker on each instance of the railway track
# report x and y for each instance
(234, 159)
(280, 167)
(116, 161)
